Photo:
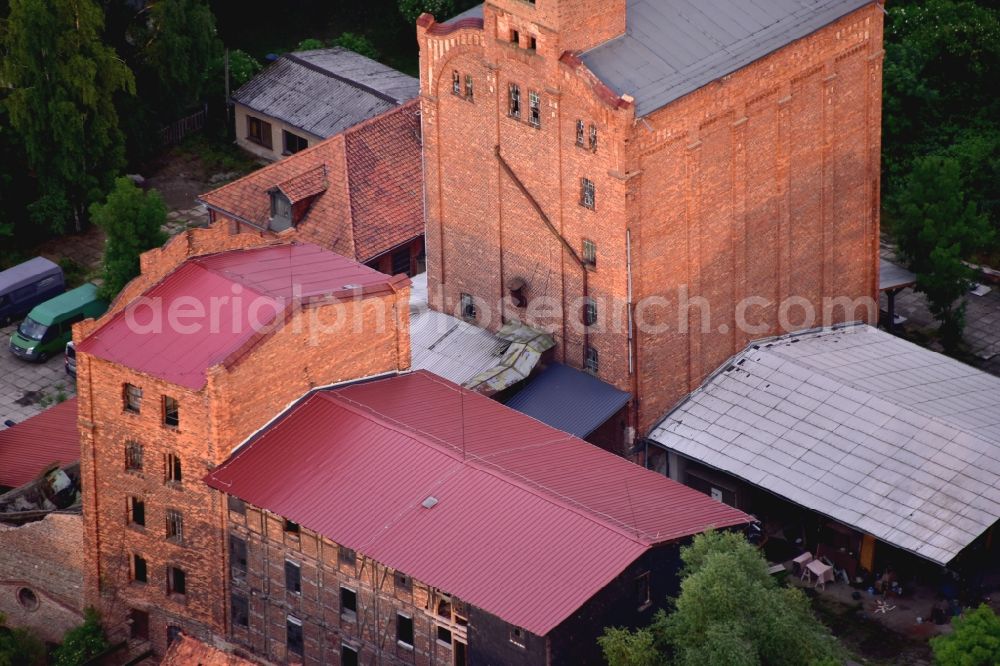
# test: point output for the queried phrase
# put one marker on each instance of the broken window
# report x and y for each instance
(236, 505)
(237, 556)
(239, 610)
(514, 101)
(133, 456)
(579, 133)
(468, 306)
(589, 312)
(643, 596)
(444, 635)
(517, 636)
(171, 412)
(139, 621)
(515, 37)
(293, 577)
(404, 630)
(176, 581)
(456, 82)
(139, 574)
(587, 193)
(532, 43)
(348, 655)
(293, 635)
(173, 632)
(468, 87)
(590, 253)
(291, 527)
(590, 360)
(535, 109)
(173, 468)
(403, 582)
(593, 136)
(133, 398)
(347, 556)
(137, 511)
(348, 600)
(175, 525)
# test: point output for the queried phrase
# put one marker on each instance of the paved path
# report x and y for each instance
(28, 388)
(982, 320)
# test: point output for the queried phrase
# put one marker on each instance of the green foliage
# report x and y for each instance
(358, 44)
(242, 68)
(63, 80)
(730, 611)
(81, 643)
(935, 229)
(19, 647)
(310, 44)
(412, 9)
(181, 50)
(131, 219)
(941, 61)
(974, 642)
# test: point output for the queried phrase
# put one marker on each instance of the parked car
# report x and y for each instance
(69, 359)
(49, 326)
(26, 285)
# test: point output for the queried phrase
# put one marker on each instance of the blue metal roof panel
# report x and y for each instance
(569, 399)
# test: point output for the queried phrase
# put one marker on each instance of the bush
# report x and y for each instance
(358, 44)
(81, 643)
(974, 642)
(310, 44)
(19, 647)
(412, 9)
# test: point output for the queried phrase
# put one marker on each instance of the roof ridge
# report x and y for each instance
(486, 466)
(291, 57)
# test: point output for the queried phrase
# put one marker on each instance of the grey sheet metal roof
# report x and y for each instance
(673, 47)
(892, 276)
(875, 432)
(323, 92)
(446, 345)
(569, 399)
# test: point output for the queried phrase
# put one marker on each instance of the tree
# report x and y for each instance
(974, 642)
(182, 47)
(81, 643)
(412, 9)
(936, 228)
(63, 80)
(132, 220)
(19, 647)
(730, 611)
(309, 44)
(357, 43)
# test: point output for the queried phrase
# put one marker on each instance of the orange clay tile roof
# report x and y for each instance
(187, 651)
(306, 184)
(369, 196)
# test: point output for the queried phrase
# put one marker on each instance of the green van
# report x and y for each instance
(49, 326)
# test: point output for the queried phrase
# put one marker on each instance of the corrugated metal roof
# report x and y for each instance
(892, 276)
(873, 431)
(30, 446)
(673, 47)
(446, 345)
(238, 294)
(325, 91)
(569, 399)
(529, 522)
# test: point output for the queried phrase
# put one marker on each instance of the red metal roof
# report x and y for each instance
(530, 522)
(32, 445)
(238, 295)
(367, 181)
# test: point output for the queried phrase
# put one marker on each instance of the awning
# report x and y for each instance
(569, 399)
(526, 347)
(892, 276)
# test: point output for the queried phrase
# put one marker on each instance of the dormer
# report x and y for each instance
(291, 200)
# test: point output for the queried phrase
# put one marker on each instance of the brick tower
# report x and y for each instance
(656, 187)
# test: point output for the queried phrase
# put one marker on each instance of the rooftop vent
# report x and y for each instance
(429, 502)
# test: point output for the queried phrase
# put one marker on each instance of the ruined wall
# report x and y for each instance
(41, 575)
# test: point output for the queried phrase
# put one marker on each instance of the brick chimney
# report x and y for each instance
(566, 25)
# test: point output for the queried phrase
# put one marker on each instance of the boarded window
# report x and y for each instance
(133, 398)
(171, 412)
(239, 610)
(293, 577)
(133, 456)
(175, 525)
(237, 556)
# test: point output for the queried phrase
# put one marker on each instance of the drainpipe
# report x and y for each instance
(555, 232)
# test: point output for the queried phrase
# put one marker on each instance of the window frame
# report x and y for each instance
(342, 598)
(264, 135)
(239, 555)
(591, 360)
(135, 502)
(588, 194)
(644, 590)
(139, 564)
(173, 471)
(292, 621)
(132, 398)
(592, 137)
(134, 453)
(296, 139)
(590, 313)
(514, 101)
(467, 304)
(171, 412)
(400, 634)
(238, 601)
(580, 133)
(174, 525)
(293, 577)
(469, 96)
(176, 575)
(589, 253)
(456, 82)
(534, 109)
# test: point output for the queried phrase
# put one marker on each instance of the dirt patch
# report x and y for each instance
(869, 641)
(196, 166)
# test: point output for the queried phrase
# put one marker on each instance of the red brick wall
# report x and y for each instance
(764, 184)
(45, 557)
